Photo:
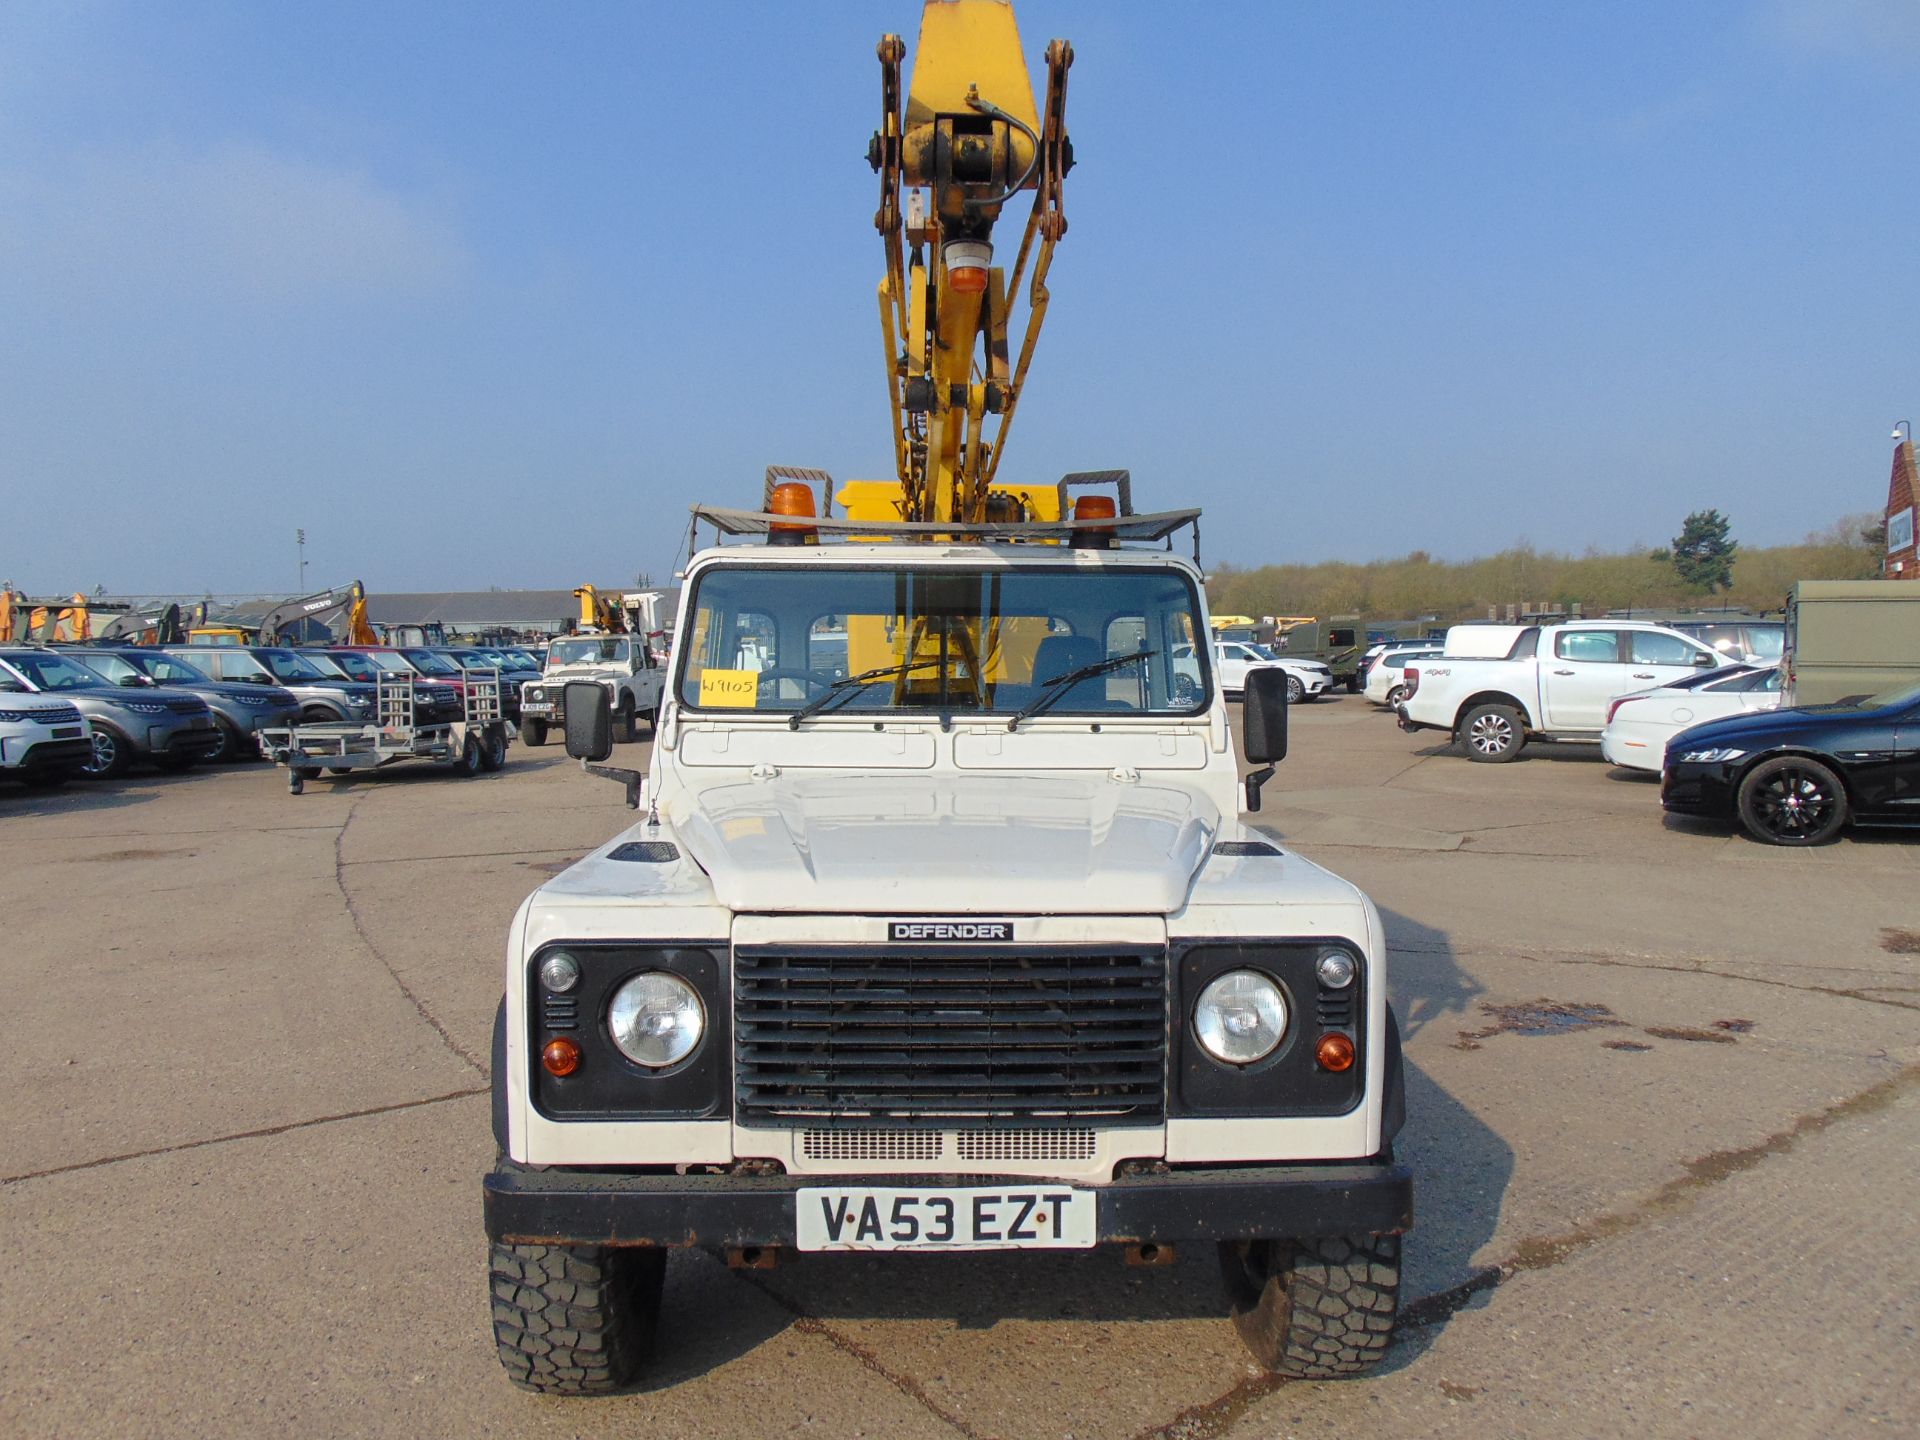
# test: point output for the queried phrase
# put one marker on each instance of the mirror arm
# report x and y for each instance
(632, 779)
(1255, 780)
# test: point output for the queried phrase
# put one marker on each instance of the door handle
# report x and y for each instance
(1563, 672)
(1649, 675)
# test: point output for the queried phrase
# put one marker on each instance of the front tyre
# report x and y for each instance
(1493, 734)
(1792, 801)
(1314, 1309)
(533, 732)
(574, 1319)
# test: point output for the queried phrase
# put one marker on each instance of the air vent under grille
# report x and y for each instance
(1040, 1034)
(873, 1144)
(1024, 1144)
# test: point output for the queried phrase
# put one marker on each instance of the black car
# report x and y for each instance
(1797, 777)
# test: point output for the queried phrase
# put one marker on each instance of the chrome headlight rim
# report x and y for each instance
(624, 1012)
(1213, 1031)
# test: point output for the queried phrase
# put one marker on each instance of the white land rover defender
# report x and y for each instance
(965, 948)
(623, 664)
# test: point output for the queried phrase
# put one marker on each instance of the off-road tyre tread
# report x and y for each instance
(1328, 1307)
(574, 1320)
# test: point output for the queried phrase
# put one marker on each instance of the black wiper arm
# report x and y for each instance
(1054, 690)
(847, 682)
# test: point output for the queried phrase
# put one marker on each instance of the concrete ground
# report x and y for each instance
(1663, 1118)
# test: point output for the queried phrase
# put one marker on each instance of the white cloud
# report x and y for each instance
(228, 221)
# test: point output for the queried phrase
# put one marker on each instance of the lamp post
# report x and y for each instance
(300, 539)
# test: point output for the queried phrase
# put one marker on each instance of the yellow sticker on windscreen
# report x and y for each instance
(729, 689)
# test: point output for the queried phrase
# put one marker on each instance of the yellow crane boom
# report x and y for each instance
(966, 142)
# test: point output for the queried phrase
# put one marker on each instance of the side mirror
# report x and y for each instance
(1263, 718)
(589, 709)
(1264, 714)
(1704, 660)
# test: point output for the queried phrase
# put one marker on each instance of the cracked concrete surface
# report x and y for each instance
(247, 1036)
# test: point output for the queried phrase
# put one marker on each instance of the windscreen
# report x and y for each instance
(168, 670)
(589, 650)
(428, 663)
(992, 640)
(54, 672)
(288, 666)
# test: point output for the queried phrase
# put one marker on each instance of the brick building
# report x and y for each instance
(1903, 563)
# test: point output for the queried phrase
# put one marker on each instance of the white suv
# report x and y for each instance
(1232, 659)
(43, 740)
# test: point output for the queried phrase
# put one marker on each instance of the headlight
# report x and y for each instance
(1711, 757)
(1241, 1017)
(146, 707)
(656, 1019)
(536, 692)
(1335, 969)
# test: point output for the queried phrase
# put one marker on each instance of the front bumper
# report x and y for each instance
(50, 756)
(198, 742)
(1696, 789)
(575, 1207)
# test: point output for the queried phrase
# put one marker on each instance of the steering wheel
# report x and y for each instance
(805, 677)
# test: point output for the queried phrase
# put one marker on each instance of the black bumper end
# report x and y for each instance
(570, 1207)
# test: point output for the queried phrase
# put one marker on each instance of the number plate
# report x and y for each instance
(1007, 1217)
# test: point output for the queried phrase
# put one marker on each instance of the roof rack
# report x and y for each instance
(1162, 525)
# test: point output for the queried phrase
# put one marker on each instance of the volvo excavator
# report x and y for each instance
(945, 927)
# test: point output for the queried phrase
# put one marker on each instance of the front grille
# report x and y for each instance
(1045, 1035)
(187, 707)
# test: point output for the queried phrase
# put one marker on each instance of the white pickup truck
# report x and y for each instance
(1554, 683)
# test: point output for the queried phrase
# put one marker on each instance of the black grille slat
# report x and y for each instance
(1034, 1034)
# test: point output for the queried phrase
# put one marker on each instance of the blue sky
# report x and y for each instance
(488, 294)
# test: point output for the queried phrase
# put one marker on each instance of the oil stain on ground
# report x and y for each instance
(1900, 942)
(1537, 1017)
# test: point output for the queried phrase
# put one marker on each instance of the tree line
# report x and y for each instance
(1416, 584)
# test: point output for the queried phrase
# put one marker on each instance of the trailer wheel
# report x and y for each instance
(470, 760)
(533, 732)
(1314, 1309)
(493, 752)
(574, 1319)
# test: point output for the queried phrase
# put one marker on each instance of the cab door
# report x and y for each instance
(1586, 670)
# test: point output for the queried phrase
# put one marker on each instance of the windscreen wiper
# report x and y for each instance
(847, 682)
(1054, 690)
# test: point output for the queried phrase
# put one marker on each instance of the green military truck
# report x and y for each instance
(1340, 642)
(1851, 637)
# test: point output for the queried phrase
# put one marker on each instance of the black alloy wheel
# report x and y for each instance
(1792, 801)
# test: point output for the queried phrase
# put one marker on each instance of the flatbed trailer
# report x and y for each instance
(474, 744)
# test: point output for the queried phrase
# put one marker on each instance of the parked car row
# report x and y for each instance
(1705, 711)
(97, 711)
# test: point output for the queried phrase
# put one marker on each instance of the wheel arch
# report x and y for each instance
(1492, 697)
(1791, 752)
